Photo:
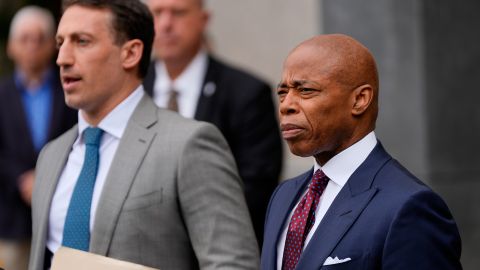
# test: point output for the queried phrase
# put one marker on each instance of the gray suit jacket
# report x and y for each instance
(172, 198)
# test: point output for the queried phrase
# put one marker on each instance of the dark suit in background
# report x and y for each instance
(32, 112)
(17, 153)
(241, 106)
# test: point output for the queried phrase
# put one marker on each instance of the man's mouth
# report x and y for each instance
(70, 81)
(166, 39)
(290, 131)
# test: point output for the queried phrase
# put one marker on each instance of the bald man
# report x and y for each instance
(32, 112)
(357, 208)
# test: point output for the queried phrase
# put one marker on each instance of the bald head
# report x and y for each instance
(329, 93)
(343, 57)
(31, 43)
(344, 60)
(32, 15)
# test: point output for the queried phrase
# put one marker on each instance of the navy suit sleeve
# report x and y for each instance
(423, 235)
(10, 171)
(11, 167)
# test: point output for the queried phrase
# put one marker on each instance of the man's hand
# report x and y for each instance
(25, 182)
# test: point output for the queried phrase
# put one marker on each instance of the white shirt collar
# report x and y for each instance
(116, 121)
(343, 165)
(192, 75)
(188, 85)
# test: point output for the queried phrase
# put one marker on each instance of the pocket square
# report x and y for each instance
(336, 260)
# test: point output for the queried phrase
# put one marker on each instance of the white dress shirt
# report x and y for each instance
(338, 169)
(113, 125)
(188, 85)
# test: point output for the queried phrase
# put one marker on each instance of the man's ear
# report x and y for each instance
(10, 50)
(363, 97)
(131, 53)
(205, 19)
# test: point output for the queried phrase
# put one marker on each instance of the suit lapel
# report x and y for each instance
(342, 214)
(48, 183)
(345, 209)
(129, 156)
(281, 211)
(208, 93)
(58, 103)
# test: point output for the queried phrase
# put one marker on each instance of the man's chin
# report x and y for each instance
(72, 103)
(300, 150)
(169, 54)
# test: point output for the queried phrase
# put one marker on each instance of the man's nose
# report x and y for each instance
(164, 20)
(32, 41)
(65, 55)
(289, 104)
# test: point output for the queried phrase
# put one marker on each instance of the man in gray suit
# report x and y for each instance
(132, 181)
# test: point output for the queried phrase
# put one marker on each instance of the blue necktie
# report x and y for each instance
(76, 232)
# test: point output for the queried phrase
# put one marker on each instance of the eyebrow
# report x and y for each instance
(74, 34)
(295, 83)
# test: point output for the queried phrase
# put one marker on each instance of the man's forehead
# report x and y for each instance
(183, 3)
(86, 11)
(33, 25)
(83, 19)
(292, 81)
(307, 72)
(305, 64)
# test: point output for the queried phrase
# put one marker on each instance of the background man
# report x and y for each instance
(132, 181)
(358, 207)
(32, 112)
(184, 77)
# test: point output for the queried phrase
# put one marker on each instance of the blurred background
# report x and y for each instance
(428, 54)
(7, 10)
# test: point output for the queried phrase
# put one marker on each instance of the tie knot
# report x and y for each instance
(319, 181)
(173, 100)
(174, 92)
(92, 136)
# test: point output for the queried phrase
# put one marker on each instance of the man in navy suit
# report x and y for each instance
(358, 208)
(186, 78)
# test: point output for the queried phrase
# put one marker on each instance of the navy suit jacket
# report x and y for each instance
(18, 155)
(383, 218)
(241, 106)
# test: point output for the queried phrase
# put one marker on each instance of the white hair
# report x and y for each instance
(29, 12)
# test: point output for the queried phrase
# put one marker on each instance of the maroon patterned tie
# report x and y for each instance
(302, 221)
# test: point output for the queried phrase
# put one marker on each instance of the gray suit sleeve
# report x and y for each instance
(213, 204)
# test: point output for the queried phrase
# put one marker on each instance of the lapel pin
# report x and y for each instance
(209, 89)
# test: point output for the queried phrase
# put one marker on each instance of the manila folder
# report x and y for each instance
(73, 259)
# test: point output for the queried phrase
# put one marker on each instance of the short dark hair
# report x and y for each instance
(131, 20)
